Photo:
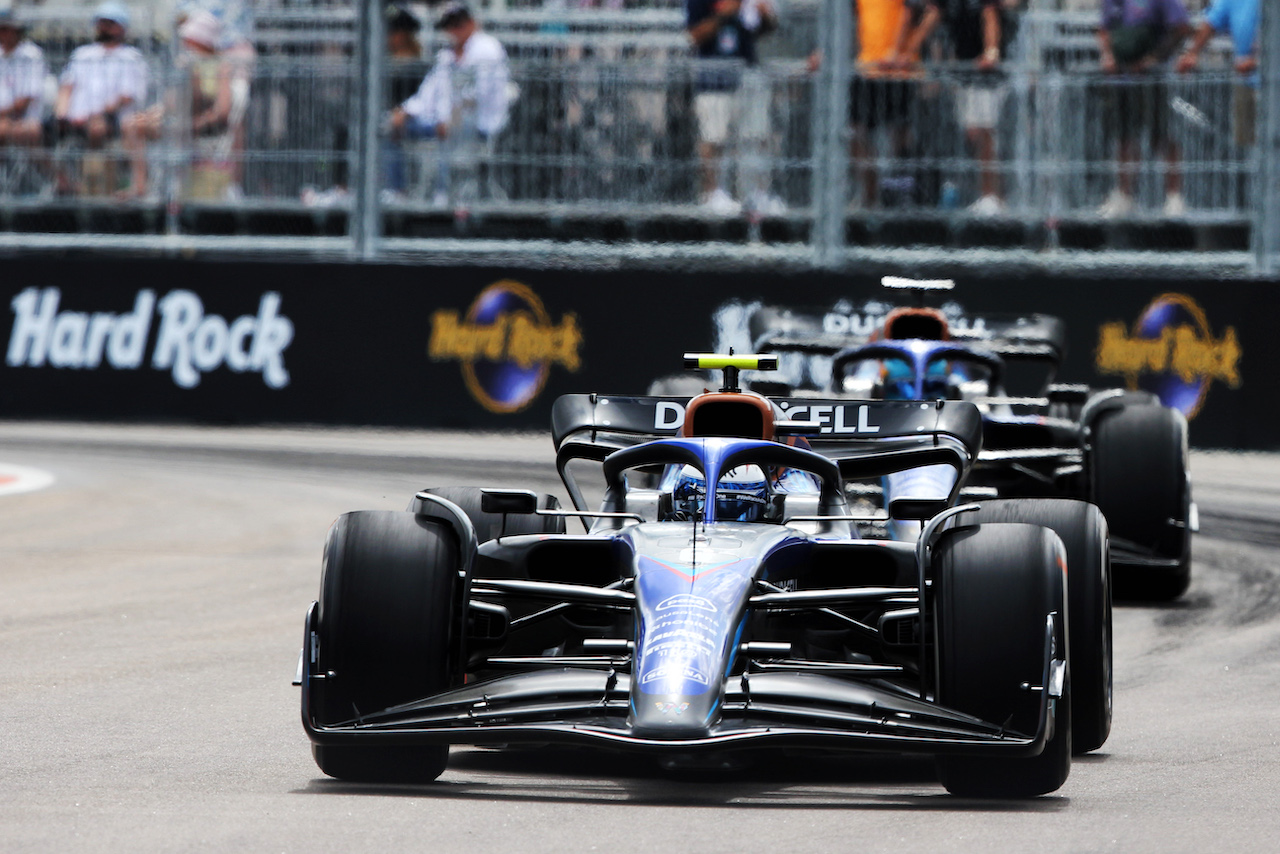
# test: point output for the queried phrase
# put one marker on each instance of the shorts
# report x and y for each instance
(874, 102)
(739, 115)
(979, 106)
(80, 131)
(1132, 106)
(31, 114)
(1244, 114)
(715, 115)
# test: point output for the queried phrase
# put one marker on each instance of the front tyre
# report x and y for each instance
(389, 604)
(1083, 532)
(995, 587)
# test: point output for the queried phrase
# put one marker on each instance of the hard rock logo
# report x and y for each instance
(507, 344)
(1171, 352)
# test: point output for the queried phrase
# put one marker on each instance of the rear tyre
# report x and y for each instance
(388, 607)
(1083, 532)
(995, 586)
(490, 526)
(1138, 467)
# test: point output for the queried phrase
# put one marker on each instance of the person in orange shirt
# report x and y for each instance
(878, 96)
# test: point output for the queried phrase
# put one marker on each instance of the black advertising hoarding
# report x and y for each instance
(491, 348)
(322, 343)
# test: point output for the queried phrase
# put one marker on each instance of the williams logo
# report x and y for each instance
(507, 344)
(1171, 352)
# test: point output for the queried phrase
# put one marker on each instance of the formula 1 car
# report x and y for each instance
(720, 601)
(1121, 450)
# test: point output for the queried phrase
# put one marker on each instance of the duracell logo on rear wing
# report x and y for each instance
(823, 419)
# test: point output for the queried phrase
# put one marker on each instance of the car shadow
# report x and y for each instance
(772, 782)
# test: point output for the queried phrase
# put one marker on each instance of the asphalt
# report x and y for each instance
(151, 602)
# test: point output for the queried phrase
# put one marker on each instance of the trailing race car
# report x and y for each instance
(1121, 450)
(720, 601)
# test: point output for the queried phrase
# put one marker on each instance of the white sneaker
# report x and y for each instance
(720, 202)
(331, 198)
(987, 206)
(1174, 206)
(767, 204)
(1118, 204)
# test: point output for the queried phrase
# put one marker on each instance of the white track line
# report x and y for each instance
(15, 479)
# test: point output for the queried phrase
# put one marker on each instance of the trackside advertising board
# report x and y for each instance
(491, 348)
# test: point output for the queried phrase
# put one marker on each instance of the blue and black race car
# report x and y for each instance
(1121, 450)
(720, 600)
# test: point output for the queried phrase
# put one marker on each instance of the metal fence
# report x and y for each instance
(601, 148)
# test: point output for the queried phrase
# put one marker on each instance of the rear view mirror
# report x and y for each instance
(518, 501)
(916, 509)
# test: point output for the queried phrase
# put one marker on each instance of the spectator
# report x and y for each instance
(1136, 38)
(464, 97)
(22, 70)
(209, 89)
(725, 31)
(1239, 18)
(977, 34)
(103, 83)
(404, 54)
(238, 55)
(879, 95)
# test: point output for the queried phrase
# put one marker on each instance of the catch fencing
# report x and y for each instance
(600, 146)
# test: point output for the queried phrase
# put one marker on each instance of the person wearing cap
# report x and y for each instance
(22, 71)
(210, 91)
(103, 83)
(465, 93)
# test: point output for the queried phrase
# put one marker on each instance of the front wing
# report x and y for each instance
(589, 705)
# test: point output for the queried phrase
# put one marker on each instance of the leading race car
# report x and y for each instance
(721, 600)
(1121, 450)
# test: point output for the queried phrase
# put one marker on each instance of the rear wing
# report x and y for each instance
(775, 329)
(866, 439)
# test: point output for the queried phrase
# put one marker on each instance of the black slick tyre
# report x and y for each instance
(1138, 469)
(1083, 532)
(389, 606)
(996, 585)
(490, 526)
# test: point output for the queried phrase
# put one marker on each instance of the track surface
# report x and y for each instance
(151, 603)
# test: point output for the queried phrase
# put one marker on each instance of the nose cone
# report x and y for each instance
(690, 617)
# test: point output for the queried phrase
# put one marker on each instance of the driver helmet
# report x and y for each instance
(898, 381)
(741, 496)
